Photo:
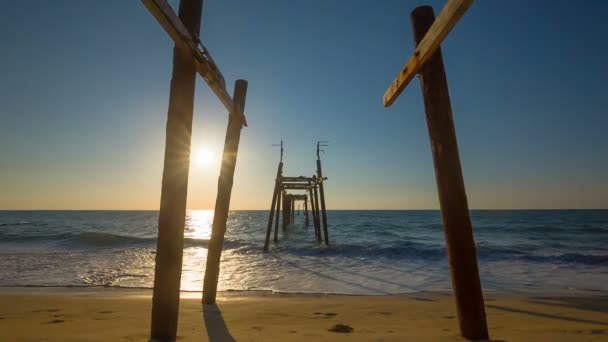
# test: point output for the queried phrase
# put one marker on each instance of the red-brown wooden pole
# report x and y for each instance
(224, 191)
(450, 184)
(174, 191)
(275, 196)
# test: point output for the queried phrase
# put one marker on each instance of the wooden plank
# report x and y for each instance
(449, 16)
(450, 186)
(182, 37)
(224, 192)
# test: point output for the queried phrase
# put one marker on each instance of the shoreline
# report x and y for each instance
(102, 289)
(111, 314)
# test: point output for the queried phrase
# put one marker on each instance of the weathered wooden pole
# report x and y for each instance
(293, 210)
(276, 221)
(306, 211)
(322, 195)
(318, 221)
(450, 184)
(174, 190)
(286, 210)
(312, 209)
(275, 195)
(224, 191)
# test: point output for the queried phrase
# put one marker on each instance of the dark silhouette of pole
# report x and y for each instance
(286, 210)
(306, 211)
(275, 195)
(224, 191)
(318, 220)
(276, 221)
(313, 210)
(450, 184)
(322, 195)
(174, 190)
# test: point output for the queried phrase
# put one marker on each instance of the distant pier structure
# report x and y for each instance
(289, 190)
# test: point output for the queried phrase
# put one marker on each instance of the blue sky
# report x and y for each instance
(84, 95)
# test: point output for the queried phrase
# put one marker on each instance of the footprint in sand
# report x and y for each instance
(341, 328)
(326, 314)
(55, 321)
(46, 310)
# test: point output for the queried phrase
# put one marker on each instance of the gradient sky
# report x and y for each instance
(84, 94)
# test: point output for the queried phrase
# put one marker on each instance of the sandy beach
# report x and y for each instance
(55, 314)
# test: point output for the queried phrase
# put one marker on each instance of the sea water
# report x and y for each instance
(370, 252)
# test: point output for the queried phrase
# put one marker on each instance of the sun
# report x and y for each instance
(203, 157)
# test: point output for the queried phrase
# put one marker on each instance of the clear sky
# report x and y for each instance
(84, 92)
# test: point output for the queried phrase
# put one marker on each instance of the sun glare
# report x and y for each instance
(203, 157)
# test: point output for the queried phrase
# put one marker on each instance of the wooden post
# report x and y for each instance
(224, 190)
(322, 194)
(293, 211)
(276, 221)
(318, 221)
(312, 209)
(306, 211)
(274, 203)
(450, 184)
(286, 210)
(174, 190)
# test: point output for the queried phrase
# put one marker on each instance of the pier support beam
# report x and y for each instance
(306, 212)
(318, 219)
(450, 184)
(313, 210)
(224, 191)
(322, 194)
(174, 191)
(276, 221)
(275, 196)
(286, 210)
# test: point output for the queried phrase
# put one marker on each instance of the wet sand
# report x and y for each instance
(54, 314)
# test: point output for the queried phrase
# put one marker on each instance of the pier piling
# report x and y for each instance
(174, 190)
(450, 184)
(224, 191)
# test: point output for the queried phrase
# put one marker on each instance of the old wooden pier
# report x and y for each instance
(283, 196)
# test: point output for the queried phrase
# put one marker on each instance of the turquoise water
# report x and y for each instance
(371, 252)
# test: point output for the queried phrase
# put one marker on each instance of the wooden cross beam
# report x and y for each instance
(445, 22)
(296, 179)
(203, 62)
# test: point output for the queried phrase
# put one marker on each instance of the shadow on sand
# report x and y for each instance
(215, 324)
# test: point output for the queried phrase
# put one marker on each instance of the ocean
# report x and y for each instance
(370, 252)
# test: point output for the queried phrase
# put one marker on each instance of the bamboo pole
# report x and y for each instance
(276, 221)
(174, 190)
(224, 191)
(450, 184)
(275, 195)
(322, 195)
